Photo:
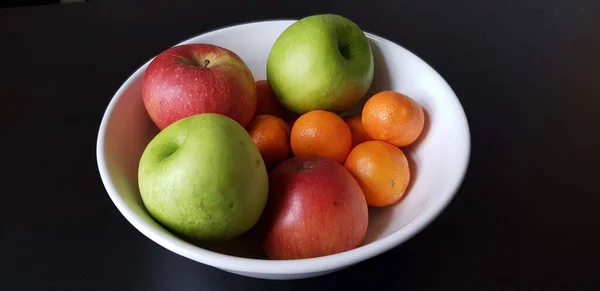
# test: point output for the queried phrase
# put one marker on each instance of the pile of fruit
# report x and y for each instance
(275, 155)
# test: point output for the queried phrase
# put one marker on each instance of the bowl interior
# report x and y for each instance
(438, 159)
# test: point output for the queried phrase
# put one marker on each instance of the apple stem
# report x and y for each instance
(206, 63)
(306, 165)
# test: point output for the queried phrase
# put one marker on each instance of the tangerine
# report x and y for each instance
(321, 133)
(381, 170)
(393, 117)
(272, 137)
(359, 134)
(267, 102)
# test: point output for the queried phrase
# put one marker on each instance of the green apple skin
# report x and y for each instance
(203, 177)
(320, 62)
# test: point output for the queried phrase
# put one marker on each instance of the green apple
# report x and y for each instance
(320, 62)
(203, 177)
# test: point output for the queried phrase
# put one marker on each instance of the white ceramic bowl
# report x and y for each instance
(439, 158)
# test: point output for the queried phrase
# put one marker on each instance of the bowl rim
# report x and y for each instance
(279, 267)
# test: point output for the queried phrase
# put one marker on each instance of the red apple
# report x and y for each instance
(315, 208)
(198, 78)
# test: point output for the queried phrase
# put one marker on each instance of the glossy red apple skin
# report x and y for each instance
(198, 78)
(315, 208)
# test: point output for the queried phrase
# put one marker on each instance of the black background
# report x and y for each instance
(17, 3)
(526, 73)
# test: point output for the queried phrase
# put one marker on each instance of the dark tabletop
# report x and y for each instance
(526, 72)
